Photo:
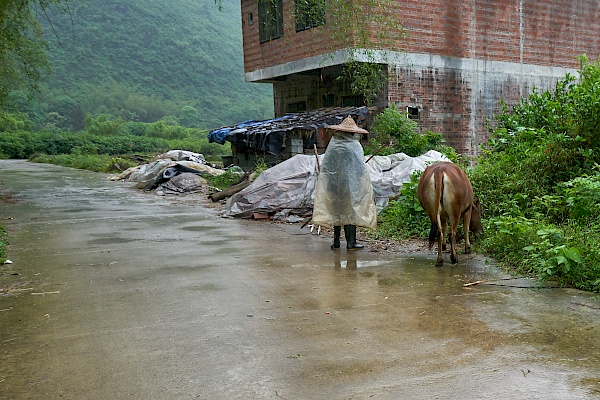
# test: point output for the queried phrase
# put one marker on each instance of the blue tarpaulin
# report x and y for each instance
(220, 135)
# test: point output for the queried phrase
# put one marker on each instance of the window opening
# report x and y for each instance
(353, 101)
(296, 107)
(309, 14)
(270, 18)
(328, 100)
(412, 112)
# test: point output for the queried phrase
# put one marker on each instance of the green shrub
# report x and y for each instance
(231, 177)
(565, 254)
(11, 122)
(404, 217)
(91, 162)
(103, 125)
(134, 128)
(539, 183)
(165, 130)
(394, 132)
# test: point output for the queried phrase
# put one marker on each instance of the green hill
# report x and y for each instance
(144, 60)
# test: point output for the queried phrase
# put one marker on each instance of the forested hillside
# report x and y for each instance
(143, 60)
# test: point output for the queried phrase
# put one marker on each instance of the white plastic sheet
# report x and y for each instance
(288, 188)
(388, 173)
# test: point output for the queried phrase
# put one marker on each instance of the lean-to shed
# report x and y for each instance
(279, 139)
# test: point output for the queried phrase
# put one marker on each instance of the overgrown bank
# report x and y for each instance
(539, 182)
(539, 178)
(107, 144)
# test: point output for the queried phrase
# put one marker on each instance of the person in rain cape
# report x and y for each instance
(344, 192)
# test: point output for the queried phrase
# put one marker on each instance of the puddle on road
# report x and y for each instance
(200, 228)
(110, 240)
(409, 297)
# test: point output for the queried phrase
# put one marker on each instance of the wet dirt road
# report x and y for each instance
(125, 295)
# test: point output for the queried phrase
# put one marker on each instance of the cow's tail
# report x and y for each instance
(436, 226)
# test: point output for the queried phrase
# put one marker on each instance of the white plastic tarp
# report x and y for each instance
(388, 173)
(288, 187)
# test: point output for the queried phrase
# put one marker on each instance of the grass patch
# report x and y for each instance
(3, 244)
(91, 162)
(232, 176)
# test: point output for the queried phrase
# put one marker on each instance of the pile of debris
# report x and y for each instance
(175, 172)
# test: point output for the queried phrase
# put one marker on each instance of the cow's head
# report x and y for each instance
(475, 226)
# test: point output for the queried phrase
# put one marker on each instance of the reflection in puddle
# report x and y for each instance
(352, 263)
(110, 240)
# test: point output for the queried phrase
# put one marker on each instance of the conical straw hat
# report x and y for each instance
(348, 125)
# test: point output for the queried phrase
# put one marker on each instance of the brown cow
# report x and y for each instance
(446, 194)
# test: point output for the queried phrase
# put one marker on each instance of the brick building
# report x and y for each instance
(451, 71)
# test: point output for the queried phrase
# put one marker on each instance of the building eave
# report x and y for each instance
(276, 72)
(340, 57)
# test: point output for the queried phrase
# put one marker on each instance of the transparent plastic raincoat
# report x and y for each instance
(344, 192)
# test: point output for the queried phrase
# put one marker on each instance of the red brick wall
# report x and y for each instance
(552, 33)
(291, 47)
(456, 103)
(441, 98)
(459, 60)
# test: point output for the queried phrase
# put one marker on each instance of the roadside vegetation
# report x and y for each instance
(539, 182)
(107, 144)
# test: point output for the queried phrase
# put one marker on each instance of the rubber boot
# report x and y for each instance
(350, 234)
(337, 230)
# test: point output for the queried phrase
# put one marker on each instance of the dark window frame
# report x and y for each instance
(270, 19)
(295, 107)
(309, 14)
(413, 112)
(356, 100)
(328, 100)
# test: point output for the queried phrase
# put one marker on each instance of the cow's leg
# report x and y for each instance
(441, 239)
(440, 258)
(453, 256)
(453, 225)
(443, 231)
(466, 224)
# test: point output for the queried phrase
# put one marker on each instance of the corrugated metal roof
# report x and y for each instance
(269, 135)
